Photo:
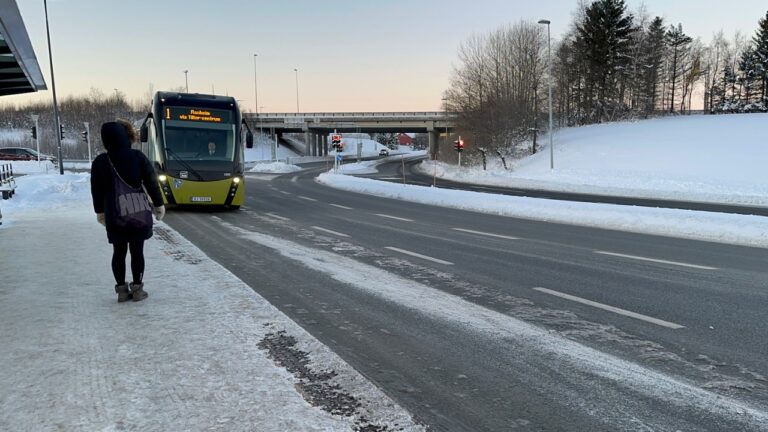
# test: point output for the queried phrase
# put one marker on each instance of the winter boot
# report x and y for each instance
(137, 289)
(123, 294)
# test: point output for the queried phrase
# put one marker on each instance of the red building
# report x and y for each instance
(404, 139)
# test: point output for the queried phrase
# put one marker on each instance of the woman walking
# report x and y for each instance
(119, 178)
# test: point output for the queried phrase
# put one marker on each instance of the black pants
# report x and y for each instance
(120, 250)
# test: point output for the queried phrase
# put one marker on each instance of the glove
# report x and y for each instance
(100, 219)
(159, 212)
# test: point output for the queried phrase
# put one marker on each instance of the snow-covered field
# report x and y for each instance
(691, 158)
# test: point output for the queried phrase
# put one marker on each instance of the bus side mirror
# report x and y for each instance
(249, 140)
(143, 132)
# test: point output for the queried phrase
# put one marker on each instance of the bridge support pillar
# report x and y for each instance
(307, 143)
(434, 144)
(324, 144)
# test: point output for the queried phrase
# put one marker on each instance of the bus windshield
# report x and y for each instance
(200, 142)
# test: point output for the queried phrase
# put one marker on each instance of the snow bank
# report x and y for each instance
(274, 167)
(48, 192)
(696, 225)
(30, 167)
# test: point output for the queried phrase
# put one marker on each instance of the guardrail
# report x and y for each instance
(7, 181)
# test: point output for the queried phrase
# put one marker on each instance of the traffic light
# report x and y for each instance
(336, 142)
(34, 132)
(85, 136)
(459, 145)
(61, 131)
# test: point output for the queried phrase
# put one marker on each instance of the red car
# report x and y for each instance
(23, 154)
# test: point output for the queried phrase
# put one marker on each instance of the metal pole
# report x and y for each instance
(88, 140)
(53, 89)
(297, 89)
(186, 80)
(549, 73)
(37, 136)
(255, 85)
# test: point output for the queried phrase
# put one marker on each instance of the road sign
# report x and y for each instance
(338, 157)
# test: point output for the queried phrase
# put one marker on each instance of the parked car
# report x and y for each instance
(384, 152)
(23, 153)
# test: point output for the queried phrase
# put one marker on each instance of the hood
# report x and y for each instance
(114, 137)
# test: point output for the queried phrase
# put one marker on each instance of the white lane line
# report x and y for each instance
(701, 267)
(611, 309)
(394, 217)
(486, 234)
(336, 233)
(277, 217)
(342, 207)
(418, 255)
(307, 198)
(285, 193)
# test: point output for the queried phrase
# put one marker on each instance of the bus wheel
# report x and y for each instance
(234, 207)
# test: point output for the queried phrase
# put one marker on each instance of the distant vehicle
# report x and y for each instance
(23, 153)
(384, 152)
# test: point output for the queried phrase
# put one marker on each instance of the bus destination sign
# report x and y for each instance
(197, 115)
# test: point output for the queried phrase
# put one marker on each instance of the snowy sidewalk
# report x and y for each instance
(188, 358)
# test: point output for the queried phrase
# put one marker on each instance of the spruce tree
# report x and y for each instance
(761, 51)
(605, 36)
(653, 60)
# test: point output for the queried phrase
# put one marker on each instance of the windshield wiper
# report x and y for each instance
(184, 163)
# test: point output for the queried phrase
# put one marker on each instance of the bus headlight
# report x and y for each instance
(162, 177)
(236, 180)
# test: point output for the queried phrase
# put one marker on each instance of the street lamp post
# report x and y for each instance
(297, 89)
(186, 79)
(53, 89)
(549, 79)
(255, 86)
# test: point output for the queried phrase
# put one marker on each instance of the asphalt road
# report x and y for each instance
(393, 172)
(521, 325)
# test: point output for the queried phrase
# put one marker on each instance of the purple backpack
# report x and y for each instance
(131, 205)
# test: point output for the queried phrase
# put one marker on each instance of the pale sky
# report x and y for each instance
(351, 55)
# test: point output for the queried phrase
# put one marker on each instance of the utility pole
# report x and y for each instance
(53, 89)
(549, 79)
(186, 79)
(88, 140)
(255, 86)
(297, 89)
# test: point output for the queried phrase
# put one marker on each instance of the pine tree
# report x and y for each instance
(750, 75)
(677, 41)
(761, 51)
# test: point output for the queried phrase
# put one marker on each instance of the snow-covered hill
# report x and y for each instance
(697, 158)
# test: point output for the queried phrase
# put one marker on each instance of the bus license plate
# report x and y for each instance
(200, 199)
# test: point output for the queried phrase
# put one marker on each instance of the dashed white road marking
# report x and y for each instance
(307, 198)
(394, 217)
(660, 261)
(613, 309)
(486, 234)
(277, 217)
(418, 255)
(342, 207)
(336, 233)
(285, 193)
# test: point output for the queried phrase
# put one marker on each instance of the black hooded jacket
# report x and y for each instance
(133, 167)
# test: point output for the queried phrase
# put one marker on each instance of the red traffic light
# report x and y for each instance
(458, 145)
(336, 139)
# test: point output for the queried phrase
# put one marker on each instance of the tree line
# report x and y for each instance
(611, 64)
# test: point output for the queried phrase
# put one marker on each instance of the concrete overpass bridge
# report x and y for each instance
(317, 126)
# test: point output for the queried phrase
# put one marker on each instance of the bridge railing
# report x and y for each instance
(336, 115)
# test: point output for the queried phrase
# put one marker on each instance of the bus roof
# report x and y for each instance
(195, 99)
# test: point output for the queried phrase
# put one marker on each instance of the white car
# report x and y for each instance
(384, 152)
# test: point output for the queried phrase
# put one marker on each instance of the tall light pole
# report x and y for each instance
(297, 89)
(549, 79)
(186, 79)
(53, 89)
(255, 86)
